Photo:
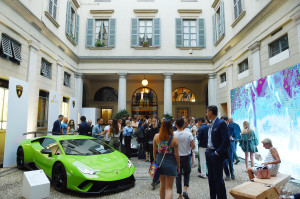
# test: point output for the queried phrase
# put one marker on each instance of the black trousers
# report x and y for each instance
(185, 170)
(215, 175)
(127, 140)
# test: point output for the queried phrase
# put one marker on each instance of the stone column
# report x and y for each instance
(78, 92)
(255, 51)
(168, 93)
(122, 92)
(31, 78)
(230, 87)
(212, 89)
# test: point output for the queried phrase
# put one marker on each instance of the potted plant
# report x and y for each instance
(145, 44)
(99, 43)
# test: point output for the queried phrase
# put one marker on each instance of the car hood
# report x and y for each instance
(104, 163)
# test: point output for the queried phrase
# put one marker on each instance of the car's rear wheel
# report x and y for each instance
(20, 158)
(59, 177)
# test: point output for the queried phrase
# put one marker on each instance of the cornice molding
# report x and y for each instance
(189, 11)
(145, 11)
(102, 11)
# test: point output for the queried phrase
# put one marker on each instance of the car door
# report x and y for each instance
(45, 162)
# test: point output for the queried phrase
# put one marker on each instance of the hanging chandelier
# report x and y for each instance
(145, 81)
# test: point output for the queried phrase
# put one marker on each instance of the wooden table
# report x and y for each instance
(260, 188)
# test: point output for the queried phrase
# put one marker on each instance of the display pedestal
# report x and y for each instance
(35, 185)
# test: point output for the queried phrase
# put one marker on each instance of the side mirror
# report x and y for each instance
(47, 151)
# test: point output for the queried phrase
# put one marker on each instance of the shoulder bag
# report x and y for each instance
(154, 168)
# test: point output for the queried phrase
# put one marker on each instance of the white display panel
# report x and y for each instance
(16, 119)
(53, 112)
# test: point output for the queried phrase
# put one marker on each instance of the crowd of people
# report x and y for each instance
(174, 145)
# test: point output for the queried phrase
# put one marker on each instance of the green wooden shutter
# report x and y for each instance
(76, 28)
(201, 33)
(112, 33)
(214, 28)
(222, 19)
(6, 46)
(179, 32)
(156, 31)
(89, 33)
(134, 32)
(68, 20)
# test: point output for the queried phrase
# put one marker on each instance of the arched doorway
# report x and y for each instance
(144, 103)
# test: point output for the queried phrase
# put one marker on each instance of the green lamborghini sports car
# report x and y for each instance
(79, 163)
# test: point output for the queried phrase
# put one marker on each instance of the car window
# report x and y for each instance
(85, 147)
(51, 144)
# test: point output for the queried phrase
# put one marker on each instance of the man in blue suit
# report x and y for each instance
(237, 136)
(57, 130)
(216, 152)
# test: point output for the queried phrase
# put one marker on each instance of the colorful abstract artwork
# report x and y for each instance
(272, 106)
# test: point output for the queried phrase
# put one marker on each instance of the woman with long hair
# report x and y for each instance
(114, 134)
(248, 143)
(167, 157)
(71, 128)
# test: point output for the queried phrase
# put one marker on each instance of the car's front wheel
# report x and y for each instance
(20, 158)
(59, 177)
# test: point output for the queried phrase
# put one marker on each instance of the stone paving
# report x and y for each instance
(11, 181)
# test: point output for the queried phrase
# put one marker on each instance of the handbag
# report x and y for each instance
(154, 167)
(263, 173)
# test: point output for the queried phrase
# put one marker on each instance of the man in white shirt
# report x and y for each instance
(106, 130)
(185, 145)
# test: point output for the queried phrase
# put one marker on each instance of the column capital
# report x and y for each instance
(212, 75)
(296, 15)
(78, 75)
(122, 75)
(168, 75)
(254, 47)
(33, 45)
(60, 62)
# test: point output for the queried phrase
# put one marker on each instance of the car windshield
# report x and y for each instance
(85, 147)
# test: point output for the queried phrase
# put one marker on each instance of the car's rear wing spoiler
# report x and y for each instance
(38, 132)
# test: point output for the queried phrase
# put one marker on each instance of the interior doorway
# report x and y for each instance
(182, 112)
(224, 109)
(144, 103)
(106, 115)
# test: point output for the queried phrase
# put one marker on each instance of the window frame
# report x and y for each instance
(66, 74)
(222, 77)
(54, 5)
(102, 34)
(4, 105)
(190, 34)
(145, 31)
(281, 49)
(49, 65)
(43, 113)
(241, 66)
(237, 9)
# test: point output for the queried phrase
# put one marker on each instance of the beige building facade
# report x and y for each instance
(192, 53)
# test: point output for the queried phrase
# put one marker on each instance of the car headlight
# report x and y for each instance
(86, 171)
(129, 164)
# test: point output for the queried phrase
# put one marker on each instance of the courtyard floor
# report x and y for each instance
(11, 181)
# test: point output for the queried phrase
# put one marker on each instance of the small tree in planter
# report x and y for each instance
(145, 44)
(121, 114)
(168, 116)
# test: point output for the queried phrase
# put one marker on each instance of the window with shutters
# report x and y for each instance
(52, 9)
(67, 79)
(218, 21)
(3, 103)
(101, 32)
(243, 66)
(145, 32)
(42, 119)
(279, 46)
(10, 49)
(46, 68)
(72, 23)
(190, 33)
(238, 8)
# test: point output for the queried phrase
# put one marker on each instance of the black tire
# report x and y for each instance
(20, 158)
(59, 177)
